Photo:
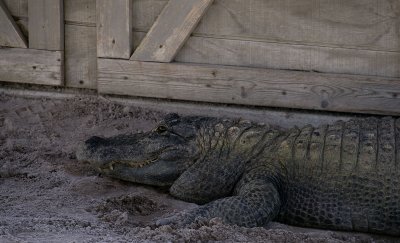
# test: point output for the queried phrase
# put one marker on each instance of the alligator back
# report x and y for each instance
(344, 176)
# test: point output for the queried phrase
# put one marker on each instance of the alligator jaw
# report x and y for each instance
(136, 165)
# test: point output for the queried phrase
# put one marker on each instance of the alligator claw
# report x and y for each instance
(161, 222)
(166, 221)
(178, 220)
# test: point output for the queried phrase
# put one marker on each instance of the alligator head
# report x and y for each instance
(157, 157)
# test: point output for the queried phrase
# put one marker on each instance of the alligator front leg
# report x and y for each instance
(255, 203)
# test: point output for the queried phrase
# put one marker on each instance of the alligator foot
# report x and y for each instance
(184, 219)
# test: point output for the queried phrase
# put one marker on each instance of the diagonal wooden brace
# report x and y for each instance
(171, 30)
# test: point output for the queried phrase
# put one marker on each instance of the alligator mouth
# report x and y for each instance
(137, 164)
(131, 164)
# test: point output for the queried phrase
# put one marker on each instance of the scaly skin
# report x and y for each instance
(343, 176)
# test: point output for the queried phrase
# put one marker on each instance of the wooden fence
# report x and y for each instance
(40, 61)
(335, 55)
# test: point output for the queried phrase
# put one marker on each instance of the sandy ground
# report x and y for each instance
(47, 196)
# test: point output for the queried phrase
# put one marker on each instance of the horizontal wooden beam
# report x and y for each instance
(10, 34)
(260, 54)
(251, 86)
(171, 30)
(31, 66)
(289, 56)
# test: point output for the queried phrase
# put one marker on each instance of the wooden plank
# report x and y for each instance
(349, 40)
(146, 12)
(31, 66)
(341, 41)
(251, 86)
(171, 30)
(367, 24)
(289, 56)
(114, 28)
(80, 57)
(80, 12)
(286, 56)
(10, 34)
(17, 8)
(46, 24)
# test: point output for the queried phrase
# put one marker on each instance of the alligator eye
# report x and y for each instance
(161, 129)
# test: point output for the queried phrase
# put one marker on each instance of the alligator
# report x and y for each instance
(343, 176)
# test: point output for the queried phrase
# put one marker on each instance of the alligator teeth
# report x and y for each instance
(111, 166)
(137, 164)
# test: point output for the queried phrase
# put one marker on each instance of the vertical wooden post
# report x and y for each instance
(46, 24)
(10, 34)
(114, 28)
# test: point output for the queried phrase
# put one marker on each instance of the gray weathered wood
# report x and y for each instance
(31, 66)
(18, 8)
(289, 56)
(250, 86)
(338, 36)
(80, 12)
(10, 34)
(146, 12)
(367, 24)
(80, 44)
(172, 28)
(46, 24)
(23, 26)
(273, 55)
(80, 57)
(114, 28)
(75, 11)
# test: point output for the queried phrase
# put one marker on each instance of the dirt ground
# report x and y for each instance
(47, 196)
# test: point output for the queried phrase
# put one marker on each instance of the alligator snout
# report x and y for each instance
(100, 151)
(94, 142)
(87, 149)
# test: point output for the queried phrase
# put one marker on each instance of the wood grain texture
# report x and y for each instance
(397, 142)
(31, 66)
(46, 24)
(80, 12)
(171, 30)
(75, 11)
(10, 34)
(334, 36)
(367, 24)
(23, 26)
(80, 57)
(251, 86)
(114, 28)
(17, 8)
(80, 44)
(146, 12)
(288, 56)
(258, 54)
